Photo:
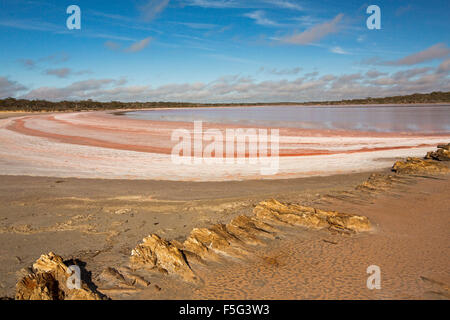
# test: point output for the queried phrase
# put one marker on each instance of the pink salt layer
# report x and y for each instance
(102, 145)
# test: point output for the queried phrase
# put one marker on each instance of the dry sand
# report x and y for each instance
(100, 221)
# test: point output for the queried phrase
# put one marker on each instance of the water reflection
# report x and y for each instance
(417, 118)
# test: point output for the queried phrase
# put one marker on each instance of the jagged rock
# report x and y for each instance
(378, 182)
(122, 278)
(441, 154)
(156, 253)
(230, 240)
(48, 281)
(210, 243)
(50, 263)
(279, 213)
(39, 286)
(416, 165)
(250, 230)
(113, 275)
(137, 280)
(293, 214)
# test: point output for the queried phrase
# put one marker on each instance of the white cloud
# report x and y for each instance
(28, 63)
(315, 33)
(138, 46)
(285, 4)
(227, 4)
(307, 21)
(436, 51)
(260, 18)
(444, 67)
(283, 72)
(9, 88)
(338, 50)
(135, 47)
(375, 74)
(77, 90)
(237, 88)
(64, 72)
(152, 8)
(112, 45)
(206, 26)
(60, 72)
(216, 3)
(51, 59)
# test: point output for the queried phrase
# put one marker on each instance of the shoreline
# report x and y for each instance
(121, 111)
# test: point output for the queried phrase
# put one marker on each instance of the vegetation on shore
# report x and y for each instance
(11, 104)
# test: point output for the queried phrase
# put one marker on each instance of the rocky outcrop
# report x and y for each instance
(203, 244)
(122, 278)
(250, 229)
(159, 254)
(379, 182)
(232, 240)
(441, 154)
(293, 214)
(417, 166)
(48, 281)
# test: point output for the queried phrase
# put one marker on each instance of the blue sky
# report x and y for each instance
(222, 51)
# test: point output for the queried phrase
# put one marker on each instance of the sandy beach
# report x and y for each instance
(99, 222)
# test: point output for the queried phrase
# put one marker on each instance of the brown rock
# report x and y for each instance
(162, 255)
(441, 154)
(416, 165)
(229, 240)
(250, 229)
(50, 263)
(48, 281)
(310, 217)
(378, 182)
(210, 243)
(39, 286)
(113, 275)
(279, 213)
(123, 278)
(342, 221)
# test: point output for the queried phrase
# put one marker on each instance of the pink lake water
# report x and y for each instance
(410, 118)
(312, 141)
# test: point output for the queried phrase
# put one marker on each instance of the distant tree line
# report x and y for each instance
(11, 104)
